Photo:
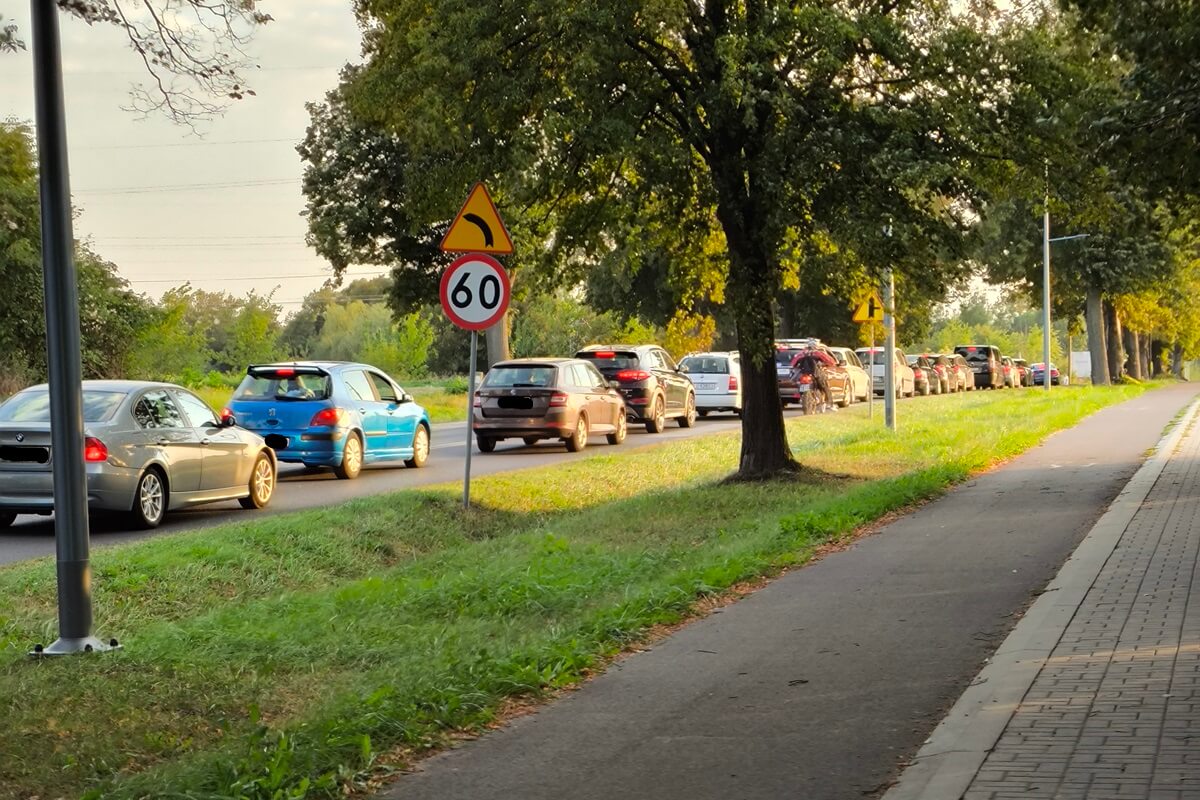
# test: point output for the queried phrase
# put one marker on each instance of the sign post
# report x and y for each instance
(869, 312)
(889, 370)
(475, 291)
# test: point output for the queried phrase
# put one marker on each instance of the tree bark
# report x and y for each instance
(1113, 337)
(1097, 347)
(1156, 355)
(1177, 362)
(1133, 348)
(496, 338)
(1147, 350)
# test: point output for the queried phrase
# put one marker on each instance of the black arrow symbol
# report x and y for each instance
(871, 308)
(477, 220)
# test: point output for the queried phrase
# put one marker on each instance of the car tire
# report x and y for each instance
(486, 444)
(689, 412)
(262, 483)
(7, 518)
(150, 499)
(530, 441)
(847, 397)
(622, 430)
(578, 440)
(420, 454)
(658, 420)
(352, 458)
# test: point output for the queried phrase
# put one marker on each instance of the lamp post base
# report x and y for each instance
(67, 647)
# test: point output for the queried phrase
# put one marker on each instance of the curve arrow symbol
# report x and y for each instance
(478, 221)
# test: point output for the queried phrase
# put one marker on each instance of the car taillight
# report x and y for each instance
(806, 378)
(327, 417)
(478, 402)
(917, 373)
(629, 375)
(558, 399)
(94, 450)
(733, 384)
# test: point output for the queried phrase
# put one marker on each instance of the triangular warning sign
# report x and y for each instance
(870, 310)
(477, 228)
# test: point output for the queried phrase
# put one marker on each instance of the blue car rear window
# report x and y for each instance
(296, 387)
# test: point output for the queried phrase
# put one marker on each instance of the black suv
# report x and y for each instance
(985, 361)
(649, 380)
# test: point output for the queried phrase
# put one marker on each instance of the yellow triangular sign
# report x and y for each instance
(477, 228)
(870, 310)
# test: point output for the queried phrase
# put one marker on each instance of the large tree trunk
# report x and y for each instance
(1156, 358)
(1147, 349)
(1113, 337)
(497, 342)
(1177, 362)
(1097, 347)
(1133, 347)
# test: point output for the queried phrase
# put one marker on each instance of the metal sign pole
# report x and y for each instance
(871, 374)
(470, 419)
(62, 344)
(889, 373)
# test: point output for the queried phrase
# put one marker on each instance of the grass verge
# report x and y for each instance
(277, 659)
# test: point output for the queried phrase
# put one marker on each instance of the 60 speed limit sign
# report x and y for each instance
(475, 291)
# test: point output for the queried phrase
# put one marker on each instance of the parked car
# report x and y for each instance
(717, 379)
(650, 382)
(1010, 372)
(1025, 374)
(903, 374)
(961, 372)
(925, 378)
(1037, 375)
(984, 360)
(149, 448)
(332, 414)
(859, 378)
(789, 351)
(547, 398)
(941, 365)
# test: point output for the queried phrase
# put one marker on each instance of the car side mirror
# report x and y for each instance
(683, 368)
(405, 397)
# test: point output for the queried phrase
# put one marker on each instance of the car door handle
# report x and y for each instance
(205, 441)
(362, 411)
(163, 441)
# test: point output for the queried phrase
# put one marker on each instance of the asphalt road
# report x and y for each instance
(33, 536)
(820, 685)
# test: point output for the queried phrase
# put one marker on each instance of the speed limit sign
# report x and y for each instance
(475, 291)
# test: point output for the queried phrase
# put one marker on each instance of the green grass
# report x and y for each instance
(279, 658)
(442, 405)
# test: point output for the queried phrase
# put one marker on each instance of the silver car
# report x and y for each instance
(149, 448)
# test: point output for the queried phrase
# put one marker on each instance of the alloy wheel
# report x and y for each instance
(264, 480)
(150, 497)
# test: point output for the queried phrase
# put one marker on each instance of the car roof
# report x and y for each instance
(715, 354)
(520, 362)
(115, 385)
(593, 347)
(325, 365)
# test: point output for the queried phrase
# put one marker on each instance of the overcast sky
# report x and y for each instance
(211, 235)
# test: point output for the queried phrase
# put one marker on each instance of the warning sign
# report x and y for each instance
(478, 228)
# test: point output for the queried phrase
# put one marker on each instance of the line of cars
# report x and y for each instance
(152, 447)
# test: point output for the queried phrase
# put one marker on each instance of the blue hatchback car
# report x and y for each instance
(332, 414)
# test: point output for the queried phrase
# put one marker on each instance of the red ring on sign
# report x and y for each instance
(505, 291)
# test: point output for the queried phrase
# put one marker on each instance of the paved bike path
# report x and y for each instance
(823, 683)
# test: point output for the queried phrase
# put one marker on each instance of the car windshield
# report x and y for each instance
(519, 376)
(784, 358)
(872, 357)
(976, 355)
(705, 365)
(283, 386)
(610, 359)
(33, 405)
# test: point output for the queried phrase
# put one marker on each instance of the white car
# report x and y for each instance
(859, 378)
(906, 381)
(717, 378)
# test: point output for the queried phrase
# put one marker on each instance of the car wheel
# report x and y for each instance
(578, 440)
(658, 417)
(531, 440)
(352, 459)
(420, 448)
(689, 412)
(7, 519)
(486, 443)
(149, 499)
(622, 430)
(262, 483)
(847, 397)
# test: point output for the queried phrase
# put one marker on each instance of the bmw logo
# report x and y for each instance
(20, 437)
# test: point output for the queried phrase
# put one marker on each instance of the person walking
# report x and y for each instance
(812, 360)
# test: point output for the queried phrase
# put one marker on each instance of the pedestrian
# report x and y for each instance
(813, 361)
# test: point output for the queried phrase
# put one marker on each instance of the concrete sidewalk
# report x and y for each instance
(823, 683)
(1096, 692)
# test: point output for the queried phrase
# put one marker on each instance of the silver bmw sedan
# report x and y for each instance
(149, 448)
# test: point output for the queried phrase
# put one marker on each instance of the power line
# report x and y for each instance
(215, 143)
(200, 238)
(258, 277)
(189, 187)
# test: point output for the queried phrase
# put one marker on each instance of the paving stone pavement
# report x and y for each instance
(1115, 712)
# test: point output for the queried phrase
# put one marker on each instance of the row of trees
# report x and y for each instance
(759, 164)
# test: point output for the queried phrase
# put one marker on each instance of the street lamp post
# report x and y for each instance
(1046, 332)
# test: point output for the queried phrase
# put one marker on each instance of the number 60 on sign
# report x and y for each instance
(475, 291)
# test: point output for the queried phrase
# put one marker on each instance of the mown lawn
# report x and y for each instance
(279, 658)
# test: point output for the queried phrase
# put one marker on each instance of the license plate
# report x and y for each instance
(802, 388)
(706, 387)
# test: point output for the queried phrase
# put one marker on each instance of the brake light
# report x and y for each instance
(627, 375)
(558, 399)
(283, 373)
(226, 412)
(94, 450)
(733, 384)
(806, 378)
(604, 354)
(918, 373)
(327, 417)
(478, 401)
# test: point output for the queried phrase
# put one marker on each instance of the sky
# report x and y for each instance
(248, 237)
